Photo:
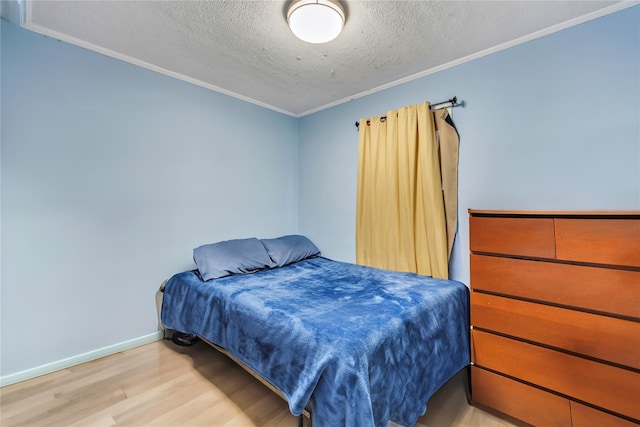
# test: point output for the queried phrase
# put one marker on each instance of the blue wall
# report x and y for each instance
(549, 124)
(111, 175)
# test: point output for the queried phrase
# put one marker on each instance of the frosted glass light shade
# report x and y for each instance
(316, 21)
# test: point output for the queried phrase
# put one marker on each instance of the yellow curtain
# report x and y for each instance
(401, 220)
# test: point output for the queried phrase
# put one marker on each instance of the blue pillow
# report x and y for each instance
(239, 256)
(289, 249)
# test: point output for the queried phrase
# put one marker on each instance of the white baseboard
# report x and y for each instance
(80, 358)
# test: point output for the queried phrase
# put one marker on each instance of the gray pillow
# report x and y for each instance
(289, 249)
(239, 256)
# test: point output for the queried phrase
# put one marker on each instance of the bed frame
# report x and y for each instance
(314, 384)
(304, 420)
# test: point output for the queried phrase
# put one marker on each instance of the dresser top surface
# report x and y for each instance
(559, 213)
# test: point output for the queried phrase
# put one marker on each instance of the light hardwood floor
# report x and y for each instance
(161, 384)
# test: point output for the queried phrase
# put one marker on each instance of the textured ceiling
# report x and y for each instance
(245, 49)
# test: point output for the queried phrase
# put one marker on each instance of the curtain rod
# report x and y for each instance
(453, 102)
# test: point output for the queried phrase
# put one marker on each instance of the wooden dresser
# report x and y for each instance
(555, 315)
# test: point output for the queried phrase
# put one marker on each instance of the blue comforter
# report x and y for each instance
(365, 346)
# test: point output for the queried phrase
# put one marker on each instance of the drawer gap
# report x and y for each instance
(559, 350)
(555, 393)
(553, 304)
(558, 261)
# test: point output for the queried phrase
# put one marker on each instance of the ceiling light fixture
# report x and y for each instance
(316, 21)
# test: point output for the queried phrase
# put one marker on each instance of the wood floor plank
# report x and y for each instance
(161, 385)
(158, 401)
(19, 391)
(184, 414)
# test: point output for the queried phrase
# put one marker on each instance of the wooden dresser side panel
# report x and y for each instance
(531, 237)
(602, 241)
(518, 400)
(590, 288)
(585, 416)
(570, 330)
(599, 384)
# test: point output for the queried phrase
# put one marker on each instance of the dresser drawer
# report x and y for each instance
(602, 241)
(585, 416)
(592, 288)
(526, 403)
(596, 383)
(570, 330)
(532, 237)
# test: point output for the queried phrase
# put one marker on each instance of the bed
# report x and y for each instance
(360, 346)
